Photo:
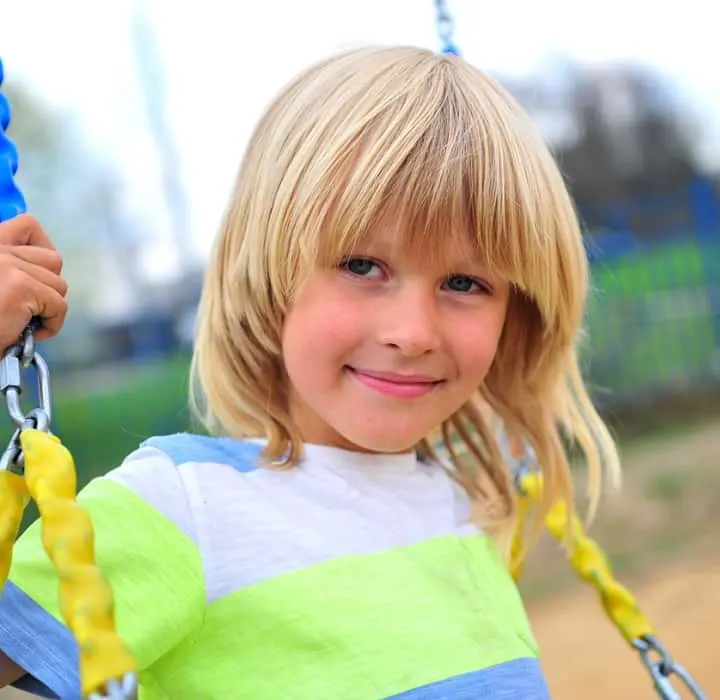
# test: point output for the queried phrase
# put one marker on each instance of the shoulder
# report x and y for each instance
(189, 448)
(163, 458)
(163, 471)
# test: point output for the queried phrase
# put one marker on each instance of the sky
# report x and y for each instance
(223, 60)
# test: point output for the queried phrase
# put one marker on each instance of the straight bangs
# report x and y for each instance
(449, 157)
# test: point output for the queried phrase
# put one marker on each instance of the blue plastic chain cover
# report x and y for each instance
(12, 201)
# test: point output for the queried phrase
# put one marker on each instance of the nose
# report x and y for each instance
(409, 320)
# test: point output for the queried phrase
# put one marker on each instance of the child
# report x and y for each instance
(399, 251)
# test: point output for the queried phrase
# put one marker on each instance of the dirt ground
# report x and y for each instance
(584, 656)
(662, 533)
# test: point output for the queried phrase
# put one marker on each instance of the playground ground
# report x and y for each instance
(662, 532)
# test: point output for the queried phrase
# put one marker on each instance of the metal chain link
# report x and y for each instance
(445, 28)
(15, 362)
(661, 667)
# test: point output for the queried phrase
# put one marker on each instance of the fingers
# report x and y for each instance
(40, 264)
(23, 297)
(41, 257)
(52, 308)
(24, 230)
(30, 281)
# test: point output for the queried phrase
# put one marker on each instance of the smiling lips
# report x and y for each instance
(401, 386)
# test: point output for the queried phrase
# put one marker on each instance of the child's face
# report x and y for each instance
(384, 348)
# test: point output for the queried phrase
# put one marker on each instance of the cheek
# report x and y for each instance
(319, 332)
(476, 345)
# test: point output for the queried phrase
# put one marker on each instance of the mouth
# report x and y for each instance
(401, 386)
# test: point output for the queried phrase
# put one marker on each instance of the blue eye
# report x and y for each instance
(464, 285)
(362, 267)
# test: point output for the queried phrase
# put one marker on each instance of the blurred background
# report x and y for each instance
(131, 117)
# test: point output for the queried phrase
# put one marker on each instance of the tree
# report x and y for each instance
(617, 132)
(75, 196)
(634, 141)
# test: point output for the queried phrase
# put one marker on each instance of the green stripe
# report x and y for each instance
(154, 570)
(358, 627)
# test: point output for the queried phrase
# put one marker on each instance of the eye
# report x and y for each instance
(466, 285)
(361, 267)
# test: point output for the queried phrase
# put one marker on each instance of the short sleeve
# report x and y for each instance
(146, 547)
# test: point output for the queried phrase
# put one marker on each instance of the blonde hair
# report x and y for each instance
(445, 149)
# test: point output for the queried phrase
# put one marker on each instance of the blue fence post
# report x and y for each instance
(706, 219)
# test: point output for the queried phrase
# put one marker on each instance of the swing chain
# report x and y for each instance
(445, 27)
(591, 565)
(15, 361)
(661, 667)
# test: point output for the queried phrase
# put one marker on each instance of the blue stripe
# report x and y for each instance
(521, 679)
(40, 644)
(241, 455)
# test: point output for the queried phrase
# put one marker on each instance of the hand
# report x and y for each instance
(30, 281)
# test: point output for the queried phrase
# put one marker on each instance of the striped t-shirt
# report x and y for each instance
(349, 577)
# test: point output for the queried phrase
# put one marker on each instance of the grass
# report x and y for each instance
(102, 423)
(101, 426)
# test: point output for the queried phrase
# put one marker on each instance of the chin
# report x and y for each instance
(383, 441)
